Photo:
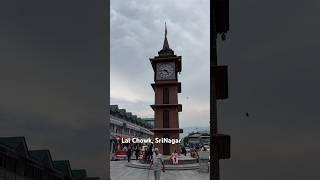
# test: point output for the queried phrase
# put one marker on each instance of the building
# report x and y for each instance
(197, 138)
(166, 88)
(126, 125)
(149, 120)
(17, 162)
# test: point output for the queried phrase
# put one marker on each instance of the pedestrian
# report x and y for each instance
(149, 157)
(197, 155)
(183, 151)
(204, 148)
(137, 153)
(156, 164)
(129, 152)
(125, 148)
(175, 157)
(192, 153)
(145, 156)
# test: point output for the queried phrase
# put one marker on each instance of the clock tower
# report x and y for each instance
(166, 88)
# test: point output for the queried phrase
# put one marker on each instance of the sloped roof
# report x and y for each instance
(166, 50)
(93, 178)
(129, 114)
(64, 166)
(79, 174)
(18, 146)
(148, 119)
(17, 143)
(42, 156)
(195, 135)
(114, 107)
(122, 111)
(140, 121)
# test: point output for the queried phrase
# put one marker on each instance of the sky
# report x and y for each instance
(137, 34)
(272, 52)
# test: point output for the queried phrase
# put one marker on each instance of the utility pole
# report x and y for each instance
(219, 24)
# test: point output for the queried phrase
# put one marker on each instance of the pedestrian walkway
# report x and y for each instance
(136, 164)
(120, 171)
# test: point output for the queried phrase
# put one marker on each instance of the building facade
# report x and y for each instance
(17, 162)
(126, 125)
(197, 138)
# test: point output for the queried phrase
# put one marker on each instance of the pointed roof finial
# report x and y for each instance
(165, 32)
(166, 49)
(165, 43)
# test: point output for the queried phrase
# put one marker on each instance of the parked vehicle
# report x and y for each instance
(120, 155)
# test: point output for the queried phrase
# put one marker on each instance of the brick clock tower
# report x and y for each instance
(166, 88)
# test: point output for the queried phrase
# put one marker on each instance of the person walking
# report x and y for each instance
(149, 157)
(137, 153)
(183, 151)
(192, 153)
(197, 155)
(156, 164)
(129, 153)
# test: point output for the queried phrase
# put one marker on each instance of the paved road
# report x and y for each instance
(121, 172)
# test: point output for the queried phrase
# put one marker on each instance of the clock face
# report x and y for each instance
(166, 71)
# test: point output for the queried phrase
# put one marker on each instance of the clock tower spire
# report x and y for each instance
(165, 48)
(166, 88)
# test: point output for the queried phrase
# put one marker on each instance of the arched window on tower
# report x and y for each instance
(165, 119)
(165, 95)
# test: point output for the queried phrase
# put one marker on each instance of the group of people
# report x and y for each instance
(130, 150)
(194, 152)
(145, 154)
(151, 156)
(148, 154)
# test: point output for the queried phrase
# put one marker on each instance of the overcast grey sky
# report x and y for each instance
(137, 33)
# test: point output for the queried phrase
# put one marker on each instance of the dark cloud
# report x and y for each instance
(272, 56)
(53, 78)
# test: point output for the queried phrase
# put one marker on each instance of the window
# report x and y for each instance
(11, 164)
(165, 95)
(29, 171)
(37, 173)
(165, 119)
(1, 161)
